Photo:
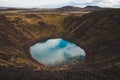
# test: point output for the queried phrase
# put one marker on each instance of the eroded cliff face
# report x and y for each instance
(96, 32)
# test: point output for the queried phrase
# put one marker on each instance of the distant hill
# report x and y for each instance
(87, 8)
(3, 7)
(69, 8)
(92, 7)
(64, 8)
(13, 8)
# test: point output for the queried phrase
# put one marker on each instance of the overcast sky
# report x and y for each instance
(58, 3)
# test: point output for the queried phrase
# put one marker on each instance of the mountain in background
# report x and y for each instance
(64, 8)
(93, 7)
(69, 8)
(87, 8)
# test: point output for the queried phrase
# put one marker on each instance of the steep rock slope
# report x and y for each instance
(98, 33)
(20, 31)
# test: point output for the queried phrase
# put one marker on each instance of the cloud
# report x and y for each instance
(108, 3)
(58, 3)
(55, 51)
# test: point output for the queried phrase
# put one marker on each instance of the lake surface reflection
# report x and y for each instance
(55, 52)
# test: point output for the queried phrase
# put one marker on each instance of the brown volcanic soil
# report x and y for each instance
(96, 32)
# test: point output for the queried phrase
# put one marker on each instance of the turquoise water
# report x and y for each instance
(55, 51)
